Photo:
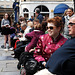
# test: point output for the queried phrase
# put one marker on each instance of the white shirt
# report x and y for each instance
(25, 32)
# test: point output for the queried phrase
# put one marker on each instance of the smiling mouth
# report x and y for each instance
(69, 30)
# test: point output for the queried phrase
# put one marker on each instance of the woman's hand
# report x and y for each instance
(7, 26)
(32, 50)
(44, 63)
(3, 26)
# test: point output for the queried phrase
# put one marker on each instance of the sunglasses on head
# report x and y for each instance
(71, 23)
(50, 27)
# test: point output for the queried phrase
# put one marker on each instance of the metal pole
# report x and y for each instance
(74, 5)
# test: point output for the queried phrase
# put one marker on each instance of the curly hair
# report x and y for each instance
(44, 25)
(57, 21)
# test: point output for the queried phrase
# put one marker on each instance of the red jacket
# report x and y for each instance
(46, 46)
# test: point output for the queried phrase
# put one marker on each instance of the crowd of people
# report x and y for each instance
(49, 42)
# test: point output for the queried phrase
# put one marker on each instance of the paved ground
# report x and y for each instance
(8, 65)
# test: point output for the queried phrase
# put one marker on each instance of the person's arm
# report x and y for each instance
(29, 35)
(31, 50)
(23, 38)
(38, 51)
(25, 32)
(2, 23)
(32, 44)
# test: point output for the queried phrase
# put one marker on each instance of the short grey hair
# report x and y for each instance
(37, 10)
(24, 24)
(30, 24)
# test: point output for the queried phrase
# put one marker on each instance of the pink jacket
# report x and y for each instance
(45, 47)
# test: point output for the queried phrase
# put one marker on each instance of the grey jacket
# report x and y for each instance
(66, 25)
(5, 22)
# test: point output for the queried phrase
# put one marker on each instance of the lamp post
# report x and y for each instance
(74, 5)
(16, 10)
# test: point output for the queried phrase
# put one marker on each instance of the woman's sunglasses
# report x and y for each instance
(51, 27)
(19, 36)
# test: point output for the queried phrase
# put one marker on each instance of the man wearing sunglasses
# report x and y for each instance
(62, 62)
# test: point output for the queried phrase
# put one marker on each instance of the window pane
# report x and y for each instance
(2, 6)
(7, 0)
(13, 0)
(7, 6)
(1, 0)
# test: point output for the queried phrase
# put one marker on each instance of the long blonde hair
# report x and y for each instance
(65, 13)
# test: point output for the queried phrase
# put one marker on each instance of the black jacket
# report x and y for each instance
(62, 62)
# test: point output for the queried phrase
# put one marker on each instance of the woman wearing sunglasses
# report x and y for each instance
(49, 43)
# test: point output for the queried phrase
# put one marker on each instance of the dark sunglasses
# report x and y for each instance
(19, 36)
(71, 24)
(50, 27)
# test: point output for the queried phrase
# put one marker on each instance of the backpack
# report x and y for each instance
(30, 64)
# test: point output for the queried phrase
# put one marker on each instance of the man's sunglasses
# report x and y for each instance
(71, 24)
(50, 27)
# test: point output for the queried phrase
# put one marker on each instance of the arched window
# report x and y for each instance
(43, 9)
(25, 10)
(26, 13)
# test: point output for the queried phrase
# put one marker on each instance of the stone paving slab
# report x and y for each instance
(10, 69)
(7, 53)
(3, 65)
(0, 54)
(9, 61)
(1, 69)
(9, 73)
(13, 65)
(6, 58)
(8, 65)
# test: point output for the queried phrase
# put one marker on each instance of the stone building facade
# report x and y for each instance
(6, 3)
(27, 7)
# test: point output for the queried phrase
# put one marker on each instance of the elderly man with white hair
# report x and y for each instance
(26, 30)
(18, 49)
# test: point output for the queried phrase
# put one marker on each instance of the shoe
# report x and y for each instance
(5, 49)
(2, 46)
(13, 56)
(10, 48)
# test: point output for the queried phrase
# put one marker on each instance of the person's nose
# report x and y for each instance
(49, 29)
(69, 26)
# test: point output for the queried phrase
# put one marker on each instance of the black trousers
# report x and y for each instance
(20, 48)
